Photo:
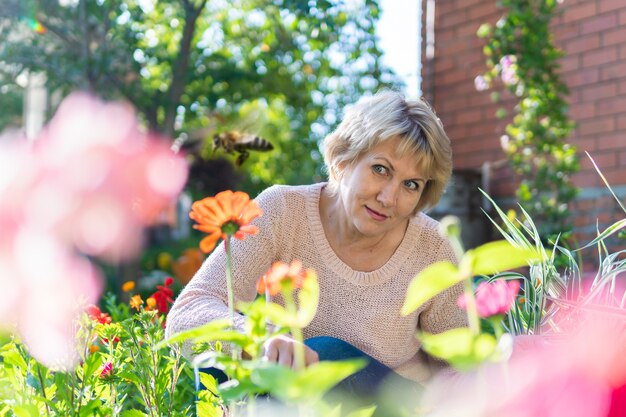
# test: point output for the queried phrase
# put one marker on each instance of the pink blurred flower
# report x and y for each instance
(493, 298)
(87, 185)
(579, 374)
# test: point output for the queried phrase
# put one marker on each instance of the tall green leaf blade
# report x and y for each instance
(612, 229)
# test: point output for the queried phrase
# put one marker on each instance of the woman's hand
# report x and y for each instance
(280, 349)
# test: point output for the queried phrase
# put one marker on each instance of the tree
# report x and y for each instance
(192, 64)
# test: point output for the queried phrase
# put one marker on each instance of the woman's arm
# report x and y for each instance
(205, 298)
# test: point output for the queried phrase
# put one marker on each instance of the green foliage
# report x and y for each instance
(461, 347)
(11, 102)
(142, 379)
(466, 348)
(520, 52)
(188, 65)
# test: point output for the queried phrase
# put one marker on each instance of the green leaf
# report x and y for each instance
(207, 409)
(428, 283)
(132, 413)
(363, 412)
(500, 256)
(13, 358)
(27, 410)
(612, 229)
(196, 333)
(209, 382)
(92, 365)
(129, 376)
(309, 384)
(460, 347)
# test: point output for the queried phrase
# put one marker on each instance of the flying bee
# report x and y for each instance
(233, 141)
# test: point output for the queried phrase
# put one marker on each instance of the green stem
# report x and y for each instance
(472, 312)
(231, 297)
(43, 388)
(296, 332)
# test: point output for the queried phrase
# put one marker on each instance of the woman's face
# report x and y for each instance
(380, 190)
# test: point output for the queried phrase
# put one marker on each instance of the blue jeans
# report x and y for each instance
(362, 384)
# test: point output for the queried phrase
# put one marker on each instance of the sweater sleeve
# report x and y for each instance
(205, 298)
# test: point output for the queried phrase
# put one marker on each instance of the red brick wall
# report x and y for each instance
(593, 35)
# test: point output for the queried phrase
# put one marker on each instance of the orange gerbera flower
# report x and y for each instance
(227, 214)
(279, 273)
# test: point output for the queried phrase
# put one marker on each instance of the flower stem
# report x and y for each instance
(231, 297)
(472, 312)
(296, 332)
(43, 388)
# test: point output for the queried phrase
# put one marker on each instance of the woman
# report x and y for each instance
(364, 234)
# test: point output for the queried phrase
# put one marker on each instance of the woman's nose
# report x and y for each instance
(387, 194)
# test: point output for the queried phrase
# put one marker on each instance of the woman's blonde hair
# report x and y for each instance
(380, 117)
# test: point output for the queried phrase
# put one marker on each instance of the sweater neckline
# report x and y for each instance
(378, 276)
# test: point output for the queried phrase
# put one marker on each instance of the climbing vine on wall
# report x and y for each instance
(521, 55)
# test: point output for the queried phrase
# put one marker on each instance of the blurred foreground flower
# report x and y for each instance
(281, 274)
(581, 374)
(227, 214)
(493, 297)
(86, 186)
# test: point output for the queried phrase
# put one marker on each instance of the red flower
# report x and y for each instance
(163, 295)
(97, 315)
(493, 298)
(106, 369)
(105, 340)
(227, 214)
(279, 274)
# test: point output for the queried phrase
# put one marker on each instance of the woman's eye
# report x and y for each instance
(379, 169)
(412, 185)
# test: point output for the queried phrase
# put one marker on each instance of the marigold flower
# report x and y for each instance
(94, 348)
(106, 369)
(493, 298)
(151, 303)
(227, 214)
(136, 302)
(128, 286)
(96, 314)
(278, 274)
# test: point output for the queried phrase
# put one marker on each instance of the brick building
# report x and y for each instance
(592, 34)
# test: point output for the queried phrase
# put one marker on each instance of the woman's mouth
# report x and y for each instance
(375, 215)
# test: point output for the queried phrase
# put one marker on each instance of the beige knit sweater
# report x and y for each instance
(362, 308)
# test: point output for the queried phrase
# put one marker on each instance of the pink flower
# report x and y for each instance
(580, 374)
(493, 298)
(88, 185)
(106, 369)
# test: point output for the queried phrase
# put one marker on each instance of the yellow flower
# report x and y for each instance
(164, 260)
(136, 302)
(511, 215)
(128, 286)
(151, 302)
